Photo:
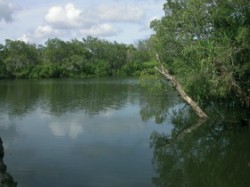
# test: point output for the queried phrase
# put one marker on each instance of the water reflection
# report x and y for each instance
(77, 128)
(66, 106)
(212, 155)
(88, 128)
(159, 106)
(21, 97)
(69, 128)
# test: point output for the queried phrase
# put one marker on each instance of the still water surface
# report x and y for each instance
(111, 132)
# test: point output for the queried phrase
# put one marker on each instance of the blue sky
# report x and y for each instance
(113, 20)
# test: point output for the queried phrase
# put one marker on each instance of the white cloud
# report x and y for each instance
(41, 32)
(120, 13)
(26, 38)
(67, 17)
(6, 11)
(101, 30)
(70, 17)
(110, 19)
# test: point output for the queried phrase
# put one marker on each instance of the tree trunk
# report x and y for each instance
(163, 71)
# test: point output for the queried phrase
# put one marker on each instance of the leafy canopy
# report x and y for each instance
(206, 44)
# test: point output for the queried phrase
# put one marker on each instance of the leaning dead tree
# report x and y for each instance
(165, 73)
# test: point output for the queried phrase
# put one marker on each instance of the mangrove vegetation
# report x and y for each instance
(75, 59)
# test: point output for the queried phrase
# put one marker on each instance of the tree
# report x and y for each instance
(3, 71)
(55, 51)
(113, 54)
(20, 58)
(206, 45)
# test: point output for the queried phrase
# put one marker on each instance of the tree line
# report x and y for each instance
(77, 58)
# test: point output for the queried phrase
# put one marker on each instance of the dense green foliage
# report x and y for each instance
(57, 58)
(206, 45)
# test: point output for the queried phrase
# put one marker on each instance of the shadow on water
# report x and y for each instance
(216, 153)
(6, 180)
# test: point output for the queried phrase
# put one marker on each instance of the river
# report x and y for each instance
(112, 132)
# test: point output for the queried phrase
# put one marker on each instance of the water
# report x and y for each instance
(111, 132)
